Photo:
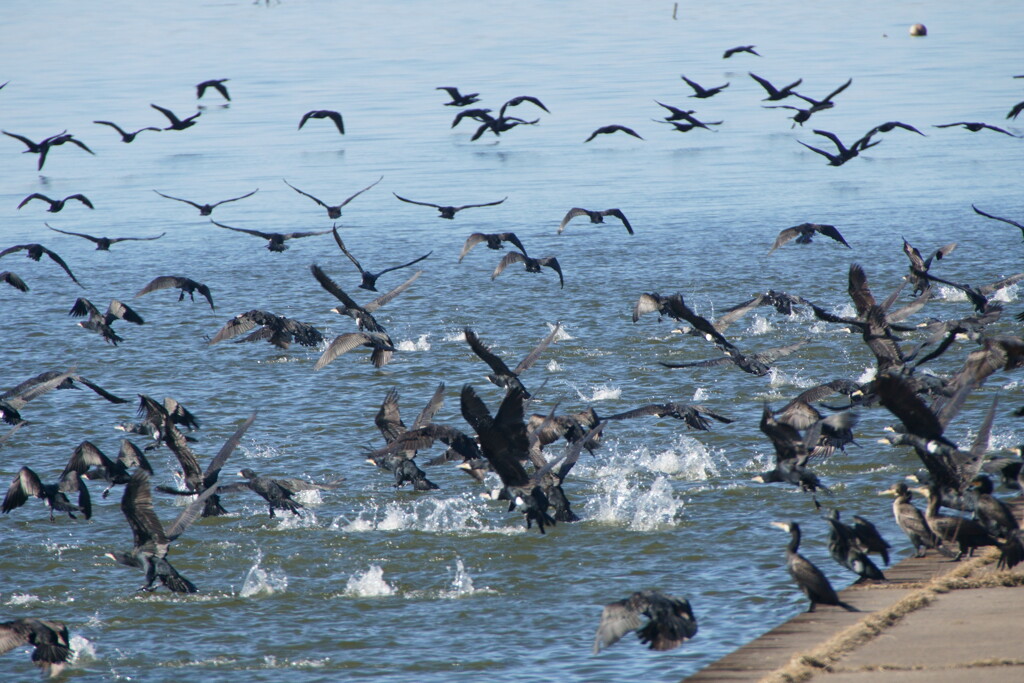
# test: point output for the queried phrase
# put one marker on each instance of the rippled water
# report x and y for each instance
(397, 585)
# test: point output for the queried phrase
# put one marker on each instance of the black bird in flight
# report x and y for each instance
(614, 128)
(493, 241)
(333, 212)
(276, 329)
(533, 265)
(383, 348)
(186, 285)
(773, 92)
(804, 232)
(49, 638)
(276, 493)
(175, 122)
(56, 204)
(36, 251)
(826, 102)
(126, 137)
(986, 215)
(889, 126)
(13, 280)
(27, 484)
(742, 48)
(323, 114)
(275, 240)
(700, 91)
(1016, 110)
(363, 315)
(369, 280)
(501, 375)
(595, 217)
(217, 84)
(975, 126)
(843, 153)
(458, 99)
(516, 101)
(498, 125)
(43, 146)
(676, 114)
(90, 462)
(100, 322)
(449, 211)
(670, 621)
(206, 209)
(103, 243)
(480, 115)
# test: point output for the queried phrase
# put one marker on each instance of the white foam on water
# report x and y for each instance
(701, 394)
(459, 514)
(553, 366)
(459, 336)
(636, 505)
(262, 582)
(1006, 294)
(368, 584)
(461, 583)
(760, 325)
(601, 392)
(420, 344)
(82, 649)
(308, 498)
(23, 599)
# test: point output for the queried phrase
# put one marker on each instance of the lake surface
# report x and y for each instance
(444, 586)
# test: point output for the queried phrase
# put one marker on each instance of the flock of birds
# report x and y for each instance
(510, 440)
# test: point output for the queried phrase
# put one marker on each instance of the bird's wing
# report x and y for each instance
(344, 250)
(341, 344)
(573, 213)
(131, 455)
(68, 232)
(429, 410)
(13, 280)
(385, 298)
(507, 259)
(859, 291)
(531, 358)
(899, 397)
(304, 194)
(411, 201)
(733, 314)
(83, 308)
(87, 455)
(485, 354)
(617, 619)
(137, 506)
(389, 417)
(162, 282)
(621, 216)
(471, 241)
(552, 263)
(332, 287)
(307, 233)
(361, 191)
(168, 113)
(122, 311)
(215, 466)
(997, 218)
(257, 233)
(830, 231)
(235, 199)
(789, 233)
(179, 199)
(241, 323)
(60, 262)
(82, 198)
(35, 195)
(405, 265)
(474, 206)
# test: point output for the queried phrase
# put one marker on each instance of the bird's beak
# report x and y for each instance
(781, 525)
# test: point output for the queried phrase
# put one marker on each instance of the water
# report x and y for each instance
(396, 585)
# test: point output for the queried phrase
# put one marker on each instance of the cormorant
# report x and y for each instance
(56, 204)
(276, 329)
(845, 549)
(804, 232)
(333, 211)
(215, 83)
(774, 93)
(126, 137)
(533, 265)
(814, 584)
(27, 483)
(967, 534)
(449, 211)
(614, 128)
(595, 217)
(323, 114)
(50, 639)
(369, 280)
(670, 621)
(493, 241)
(100, 322)
(975, 126)
(742, 48)
(86, 455)
(276, 493)
(516, 101)
(206, 209)
(912, 521)
(458, 99)
(103, 243)
(702, 92)
(36, 251)
(501, 375)
(997, 218)
(13, 280)
(275, 240)
(186, 285)
(174, 121)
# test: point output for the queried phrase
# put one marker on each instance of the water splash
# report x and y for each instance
(23, 599)
(701, 394)
(420, 344)
(459, 336)
(438, 515)
(553, 366)
(625, 501)
(1005, 295)
(562, 335)
(369, 584)
(462, 582)
(82, 649)
(308, 498)
(760, 325)
(600, 393)
(259, 581)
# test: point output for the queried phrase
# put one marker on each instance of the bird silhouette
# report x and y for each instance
(100, 322)
(595, 217)
(773, 92)
(275, 240)
(493, 241)
(997, 218)
(614, 128)
(186, 285)
(369, 280)
(206, 209)
(56, 204)
(333, 212)
(13, 280)
(670, 621)
(742, 48)
(975, 126)
(126, 137)
(323, 114)
(533, 265)
(275, 329)
(49, 638)
(700, 91)
(103, 243)
(458, 99)
(175, 122)
(217, 84)
(36, 251)
(804, 232)
(516, 101)
(449, 211)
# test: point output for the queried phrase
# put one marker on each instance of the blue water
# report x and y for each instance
(444, 586)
